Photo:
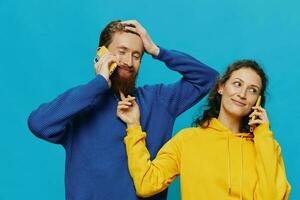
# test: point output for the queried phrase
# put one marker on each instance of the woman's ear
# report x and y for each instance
(220, 88)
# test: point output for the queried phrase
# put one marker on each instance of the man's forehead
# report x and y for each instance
(129, 41)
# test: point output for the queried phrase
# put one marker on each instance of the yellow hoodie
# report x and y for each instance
(213, 163)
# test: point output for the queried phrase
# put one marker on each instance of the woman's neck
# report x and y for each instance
(232, 123)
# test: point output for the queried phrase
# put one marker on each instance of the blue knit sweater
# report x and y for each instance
(83, 119)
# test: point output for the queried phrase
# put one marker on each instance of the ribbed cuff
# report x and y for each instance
(134, 130)
(263, 129)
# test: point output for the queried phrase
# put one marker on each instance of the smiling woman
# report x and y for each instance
(234, 95)
(220, 158)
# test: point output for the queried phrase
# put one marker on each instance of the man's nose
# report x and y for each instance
(128, 60)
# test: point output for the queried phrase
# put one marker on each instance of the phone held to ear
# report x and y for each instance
(258, 101)
(100, 53)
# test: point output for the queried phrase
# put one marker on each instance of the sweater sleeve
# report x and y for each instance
(197, 80)
(151, 177)
(50, 120)
(272, 181)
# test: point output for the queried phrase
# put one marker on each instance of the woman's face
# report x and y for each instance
(240, 92)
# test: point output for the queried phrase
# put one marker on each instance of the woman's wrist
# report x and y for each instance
(133, 124)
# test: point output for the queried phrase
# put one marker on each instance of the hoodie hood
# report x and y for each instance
(220, 128)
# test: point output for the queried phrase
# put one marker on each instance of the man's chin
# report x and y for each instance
(124, 82)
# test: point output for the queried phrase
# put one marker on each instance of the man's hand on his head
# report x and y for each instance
(149, 45)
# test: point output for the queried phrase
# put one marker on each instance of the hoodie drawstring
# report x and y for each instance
(241, 166)
(228, 166)
(241, 184)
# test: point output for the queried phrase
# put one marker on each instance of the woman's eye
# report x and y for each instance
(237, 84)
(253, 90)
(121, 52)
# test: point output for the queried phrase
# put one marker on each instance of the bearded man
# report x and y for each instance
(83, 119)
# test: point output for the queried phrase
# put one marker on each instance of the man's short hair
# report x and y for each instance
(110, 29)
(108, 32)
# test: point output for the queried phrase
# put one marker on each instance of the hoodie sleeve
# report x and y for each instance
(272, 181)
(50, 120)
(151, 177)
(196, 82)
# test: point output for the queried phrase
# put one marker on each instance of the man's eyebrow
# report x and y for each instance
(122, 47)
(137, 52)
(125, 48)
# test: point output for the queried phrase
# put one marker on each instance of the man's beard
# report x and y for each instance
(124, 84)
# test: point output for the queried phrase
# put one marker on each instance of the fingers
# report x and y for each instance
(126, 103)
(122, 96)
(134, 26)
(129, 101)
(131, 30)
(259, 108)
(258, 116)
(128, 98)
(102, 66)
(123, 107)
(255, 122)
(128, 25)
(109, 58)
(132, 23)
(258, 111)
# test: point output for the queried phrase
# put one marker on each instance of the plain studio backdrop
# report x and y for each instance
(48, 46)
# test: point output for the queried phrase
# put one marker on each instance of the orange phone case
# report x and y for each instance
(101, 52)
(258, 101)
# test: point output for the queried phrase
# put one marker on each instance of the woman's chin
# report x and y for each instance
(238, 113)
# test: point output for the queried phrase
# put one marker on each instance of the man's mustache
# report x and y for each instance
(130, 69)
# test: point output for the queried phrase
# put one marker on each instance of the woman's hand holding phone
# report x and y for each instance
(258, 116)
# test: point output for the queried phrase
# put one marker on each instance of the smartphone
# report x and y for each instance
(258, 101)
(101, 52)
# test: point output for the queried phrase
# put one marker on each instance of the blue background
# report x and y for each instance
(47, 47)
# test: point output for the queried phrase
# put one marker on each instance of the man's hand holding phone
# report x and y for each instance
(105, 63)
